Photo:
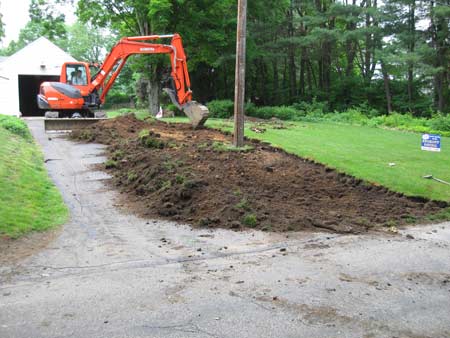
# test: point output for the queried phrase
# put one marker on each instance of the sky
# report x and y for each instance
(15, 17)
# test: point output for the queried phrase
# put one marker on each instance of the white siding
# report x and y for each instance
(9, 94)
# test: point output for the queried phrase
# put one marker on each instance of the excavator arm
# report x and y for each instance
(180, 94)
(128, 46)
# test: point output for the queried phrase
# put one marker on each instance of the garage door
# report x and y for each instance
(28, 89)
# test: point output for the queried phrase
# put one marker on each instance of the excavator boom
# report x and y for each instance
(70, 96)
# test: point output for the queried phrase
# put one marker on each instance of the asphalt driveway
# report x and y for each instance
(111, 274)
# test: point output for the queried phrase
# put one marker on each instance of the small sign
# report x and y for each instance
(431, 142)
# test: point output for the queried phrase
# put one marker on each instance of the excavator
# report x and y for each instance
(71, 103)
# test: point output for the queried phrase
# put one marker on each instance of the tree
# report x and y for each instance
(44, 21)
(344, 52)
(439, 32)
(196, 20)
(89, 43)
(48, 21)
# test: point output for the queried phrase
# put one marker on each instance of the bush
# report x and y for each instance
(282, 113)
(116, 98)
(149, 139)
(352, 116)
(15, 126)
(366, 110)
(311, 109)
(362, 114)
(221, 108)
(250, 220)
(173, 108)
(250, 109)
(440, 122)
(110, 164)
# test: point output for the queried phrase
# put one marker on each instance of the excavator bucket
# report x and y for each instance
(196, 112)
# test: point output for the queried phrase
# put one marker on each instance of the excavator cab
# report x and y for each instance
(75, 74)
(78, 75)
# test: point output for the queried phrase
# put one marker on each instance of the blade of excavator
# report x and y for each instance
(196, 112)
(68, 124)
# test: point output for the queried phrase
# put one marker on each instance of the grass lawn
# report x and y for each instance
(140, 113)
(363, 152)
(29, 200)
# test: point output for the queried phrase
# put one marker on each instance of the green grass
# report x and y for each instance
(29, 201)
(362, 151)
(140, 114)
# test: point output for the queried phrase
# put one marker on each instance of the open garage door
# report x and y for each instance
(28, 89)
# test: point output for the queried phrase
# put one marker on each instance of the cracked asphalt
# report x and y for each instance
(111, 274)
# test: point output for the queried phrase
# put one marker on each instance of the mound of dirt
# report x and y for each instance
(171, 171)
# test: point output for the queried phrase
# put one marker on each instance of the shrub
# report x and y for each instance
(316, 111)
(151, 142)
(311, 109)
(110, 164)
(15, 126)
(221, 108)
(351, 115)
(366, 110)
(132, 176)
(117, 98)
(117, 155)
(250, 220)
(180, 179)
(243, 204)
(440, 122)
(173, 108)
(282, 113)
(250, 109)
(144, 133)
(147, 139)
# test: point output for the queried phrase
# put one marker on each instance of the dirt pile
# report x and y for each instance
(174, 172)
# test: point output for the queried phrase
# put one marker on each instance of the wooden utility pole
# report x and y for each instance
(239, 89)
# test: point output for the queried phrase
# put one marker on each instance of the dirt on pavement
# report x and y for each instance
(173, 172)
(14, 250)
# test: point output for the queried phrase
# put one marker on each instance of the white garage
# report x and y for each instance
(22, 73)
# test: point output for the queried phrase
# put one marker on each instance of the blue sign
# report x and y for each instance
(431, 142)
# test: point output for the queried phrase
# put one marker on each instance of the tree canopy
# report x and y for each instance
(390, 55)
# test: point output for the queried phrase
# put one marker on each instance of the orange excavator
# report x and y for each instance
(71, 103)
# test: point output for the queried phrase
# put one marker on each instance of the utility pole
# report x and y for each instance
(239, 88)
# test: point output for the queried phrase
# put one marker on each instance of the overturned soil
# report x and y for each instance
(171, 171)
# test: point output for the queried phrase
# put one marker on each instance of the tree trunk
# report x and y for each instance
(387, 89)
(141, 92)
(302, 73)
(312, 77)
(328, 47)
(285, 85)
(309, 76)
(275, 88)
(367, 53)
(153, 96)
(291, 56)
(411, 45)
